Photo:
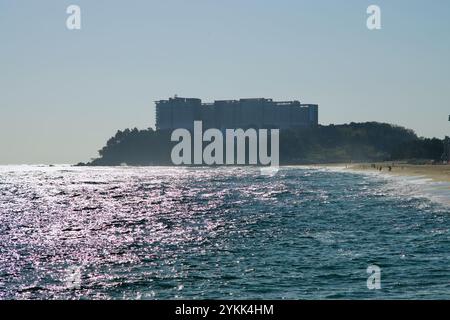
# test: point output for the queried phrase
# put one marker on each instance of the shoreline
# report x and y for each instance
(437, 173)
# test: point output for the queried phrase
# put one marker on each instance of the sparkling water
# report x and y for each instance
(219, 233)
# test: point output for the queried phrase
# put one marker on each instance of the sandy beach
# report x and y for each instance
(436, 172)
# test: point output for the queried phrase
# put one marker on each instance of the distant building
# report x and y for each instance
(257, 113)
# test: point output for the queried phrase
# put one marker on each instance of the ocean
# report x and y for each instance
(220, 233)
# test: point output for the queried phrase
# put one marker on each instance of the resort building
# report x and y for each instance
(257, 113)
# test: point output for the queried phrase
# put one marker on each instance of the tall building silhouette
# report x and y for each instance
(256, 113)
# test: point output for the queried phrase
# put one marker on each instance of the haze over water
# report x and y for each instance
(169, 233)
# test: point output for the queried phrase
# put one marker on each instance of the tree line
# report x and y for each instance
(353, 142)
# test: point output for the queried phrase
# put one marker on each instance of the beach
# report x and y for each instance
(439, 173)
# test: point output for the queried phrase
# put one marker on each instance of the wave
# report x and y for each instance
(417, 186)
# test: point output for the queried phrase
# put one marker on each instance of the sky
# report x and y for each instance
(64, 92)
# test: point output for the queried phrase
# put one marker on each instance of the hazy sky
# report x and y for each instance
(64, 93)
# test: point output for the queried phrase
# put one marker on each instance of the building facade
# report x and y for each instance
(257, 113)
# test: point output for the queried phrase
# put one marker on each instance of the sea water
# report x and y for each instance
(220, 233)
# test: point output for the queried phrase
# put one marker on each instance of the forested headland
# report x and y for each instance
(354, 142)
